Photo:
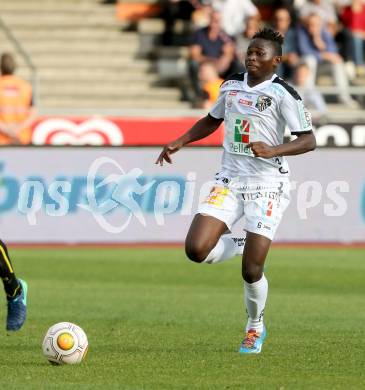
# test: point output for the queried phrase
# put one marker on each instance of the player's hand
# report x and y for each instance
(260, 149)
(168, 149)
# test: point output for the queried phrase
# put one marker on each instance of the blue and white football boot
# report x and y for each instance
(17, 309)
(252, 343)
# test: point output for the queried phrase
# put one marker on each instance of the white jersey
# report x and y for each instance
(258, 113)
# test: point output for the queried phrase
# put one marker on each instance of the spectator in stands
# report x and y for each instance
(173, 10)
(353, 17)
(210, 82)
(201, 16)
(16, 110)
(325, 9)
(211, 43)
(311, 96)
(290, 59)
(317, 45)
(291, 6)
(235, 15)
(243, 40)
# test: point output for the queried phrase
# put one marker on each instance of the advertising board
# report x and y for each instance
(119, 195)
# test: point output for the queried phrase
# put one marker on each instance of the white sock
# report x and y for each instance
(226, 248)
(255, 299)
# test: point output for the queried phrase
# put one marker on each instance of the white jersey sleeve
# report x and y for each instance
(218, 109)
(294, 112)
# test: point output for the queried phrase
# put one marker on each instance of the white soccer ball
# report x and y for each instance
(65, 343)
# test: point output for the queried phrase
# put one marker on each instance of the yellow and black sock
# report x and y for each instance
(11, 284)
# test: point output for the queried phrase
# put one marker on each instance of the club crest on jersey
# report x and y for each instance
(263, 102)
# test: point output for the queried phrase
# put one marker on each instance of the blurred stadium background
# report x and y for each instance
(112, 82)
(108, 73)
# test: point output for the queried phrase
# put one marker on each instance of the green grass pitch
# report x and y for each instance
(157, 321)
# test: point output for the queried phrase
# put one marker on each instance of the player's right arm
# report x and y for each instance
(204, 127)
(201, 129)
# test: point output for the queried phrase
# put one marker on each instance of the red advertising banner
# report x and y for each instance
(114, 131)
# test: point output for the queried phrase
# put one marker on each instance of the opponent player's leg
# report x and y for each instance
(205, 242)
(255, 290)
(15, 289)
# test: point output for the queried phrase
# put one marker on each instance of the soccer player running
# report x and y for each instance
(15, 290)
(253, 182)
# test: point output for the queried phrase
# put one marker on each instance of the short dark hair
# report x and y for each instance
(273, 36)
(7, 64)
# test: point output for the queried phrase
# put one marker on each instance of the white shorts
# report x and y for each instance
(261, 204)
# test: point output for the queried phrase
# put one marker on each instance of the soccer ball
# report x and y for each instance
(65, 343)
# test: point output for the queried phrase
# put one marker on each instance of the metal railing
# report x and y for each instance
(26, 57)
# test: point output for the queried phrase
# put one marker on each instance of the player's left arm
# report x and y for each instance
(303, 144)
(299, 122)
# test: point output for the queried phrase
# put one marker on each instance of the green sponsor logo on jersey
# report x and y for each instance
(242, 131)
